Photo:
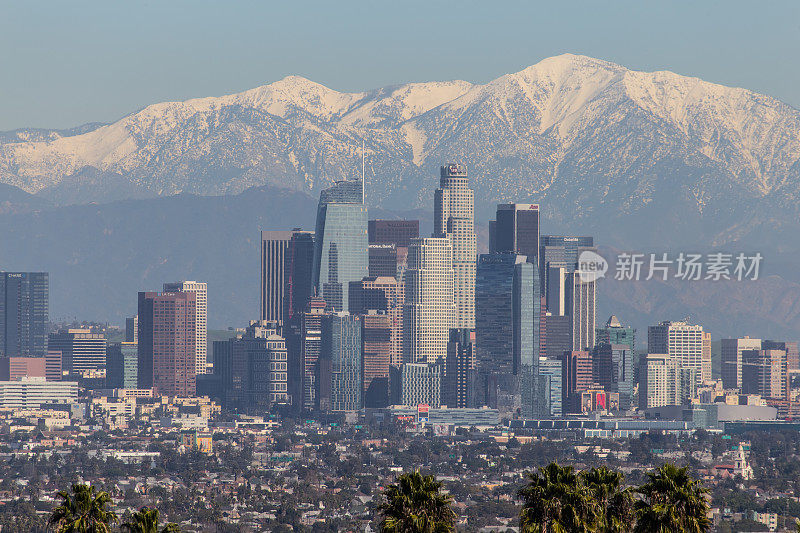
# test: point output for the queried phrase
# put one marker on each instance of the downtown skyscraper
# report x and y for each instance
(516, 229)
(274, 252)
(167, 337)
(454, 218)
(287, 260)
(201, 318)
(429, 308)
(24, 313)
(341, 244)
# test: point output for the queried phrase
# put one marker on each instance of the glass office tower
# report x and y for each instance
(493, 311)
(341, 246)
(341, 346)
(526, 317)
(24, 313)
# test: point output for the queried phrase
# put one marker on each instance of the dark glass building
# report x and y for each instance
(397, 232)
(516, 229)
(459, 370)
(559, 251)
(550, 382)
(341, 349)
(565, 249)
(526, 306)
(382, 260)
(298, 273)
(494, 326)
(612, 368)
(507, 331)
(558, 335)
(287, 261)
(252, 368)
(122, 363)
(24, 313)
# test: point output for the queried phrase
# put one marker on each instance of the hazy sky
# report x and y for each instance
(64, 63)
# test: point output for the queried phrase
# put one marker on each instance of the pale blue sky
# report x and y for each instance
(64, 63)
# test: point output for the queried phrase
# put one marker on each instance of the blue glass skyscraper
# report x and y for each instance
(341, 245)
(550, 379)
(526, 321)
(493, 311)
(507, 331)
(341, 345)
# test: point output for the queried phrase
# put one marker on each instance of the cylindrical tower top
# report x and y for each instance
(453, 174)
(454, 169)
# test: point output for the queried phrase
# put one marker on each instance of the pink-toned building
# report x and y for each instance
(167, 336)
(14, 367)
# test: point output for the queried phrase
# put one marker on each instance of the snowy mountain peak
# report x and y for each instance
(569, 127)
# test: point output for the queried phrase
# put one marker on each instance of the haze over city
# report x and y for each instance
(399, 267)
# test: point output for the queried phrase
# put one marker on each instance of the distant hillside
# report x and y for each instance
(674, 160)
(651, 161)
(100, 256)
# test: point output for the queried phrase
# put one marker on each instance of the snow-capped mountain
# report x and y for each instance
(649, 161)
(587, 138)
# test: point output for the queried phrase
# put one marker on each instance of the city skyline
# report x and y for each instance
(357, 266)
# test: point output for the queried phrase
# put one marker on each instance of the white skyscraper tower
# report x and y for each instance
(429, 311)
(454, 218)
(201, 321)
(682, 341)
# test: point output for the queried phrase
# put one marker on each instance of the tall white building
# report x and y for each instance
(663, 381)
(454, 218)
(582, 296)
(201, 319)
(707, 373)
(421, 383)
(680, 340)
(429, 309)
(659, 381)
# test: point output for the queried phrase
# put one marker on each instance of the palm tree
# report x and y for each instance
(556, 500)
(83, 511)
(616, 513)
(672, 501)
(145, 520)
(416, 504)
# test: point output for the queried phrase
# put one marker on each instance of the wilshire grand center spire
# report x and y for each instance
(341, 244)
(454, 218)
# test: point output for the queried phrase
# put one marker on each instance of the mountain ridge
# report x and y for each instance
(303, 133)
(654, 162)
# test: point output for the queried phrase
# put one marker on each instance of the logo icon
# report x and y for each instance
(591, 266)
